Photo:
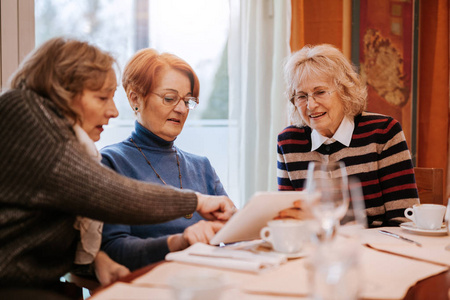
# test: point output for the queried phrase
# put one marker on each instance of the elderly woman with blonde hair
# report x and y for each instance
(327, 102)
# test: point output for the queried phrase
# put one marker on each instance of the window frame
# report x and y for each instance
(17, 35)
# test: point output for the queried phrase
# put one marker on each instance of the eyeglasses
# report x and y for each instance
(172, 99)
(301, 99)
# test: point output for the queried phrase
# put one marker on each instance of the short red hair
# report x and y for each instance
(142, 70)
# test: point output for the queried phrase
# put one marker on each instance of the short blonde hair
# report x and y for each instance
(142, 70)
(60, 69)
(328, 62)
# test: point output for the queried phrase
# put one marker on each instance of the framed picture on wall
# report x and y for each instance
(388, 59)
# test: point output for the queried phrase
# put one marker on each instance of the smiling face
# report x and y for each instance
(325, 116)
(97, 107)
(165, 121)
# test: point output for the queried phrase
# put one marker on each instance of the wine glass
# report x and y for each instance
(326, 187)
(447, 222)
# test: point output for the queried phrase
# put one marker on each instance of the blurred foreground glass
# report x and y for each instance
(334, 267)
(197, 285)
(447, 217)
(334, 272)
(326, 186)
(447, 222)
(355, 216)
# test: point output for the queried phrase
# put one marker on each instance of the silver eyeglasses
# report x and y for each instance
(301, 99)
(172, 99)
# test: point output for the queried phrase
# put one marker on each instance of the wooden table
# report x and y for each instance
(435, 287)
(374, 247)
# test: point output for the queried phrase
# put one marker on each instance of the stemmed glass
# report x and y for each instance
(326, 188)
(334, 265)
(447, 222)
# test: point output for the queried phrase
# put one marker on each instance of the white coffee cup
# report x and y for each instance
(286, 236)
(426, 216)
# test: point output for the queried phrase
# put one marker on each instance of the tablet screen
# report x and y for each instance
(247, 222)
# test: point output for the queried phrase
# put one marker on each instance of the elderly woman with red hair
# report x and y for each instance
(161, 90)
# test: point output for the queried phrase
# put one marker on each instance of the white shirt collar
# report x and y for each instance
(87, 143)
(343, 135)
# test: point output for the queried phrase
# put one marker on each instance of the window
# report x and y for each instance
(195, 30)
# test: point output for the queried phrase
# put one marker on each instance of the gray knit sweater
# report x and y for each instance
(46, 179)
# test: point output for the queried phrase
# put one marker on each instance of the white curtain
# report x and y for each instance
(258, 44)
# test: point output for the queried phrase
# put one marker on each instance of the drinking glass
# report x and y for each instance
(326, 187)
(447, 222)
(334, 271)
(356, 212)
(200, 285)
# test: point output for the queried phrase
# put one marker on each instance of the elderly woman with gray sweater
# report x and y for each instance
(47, 178)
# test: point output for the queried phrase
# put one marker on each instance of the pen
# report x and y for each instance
(241, 245)
(399, 237)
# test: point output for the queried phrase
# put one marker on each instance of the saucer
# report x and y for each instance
(267, 247)
(410, 226)
(293, 255)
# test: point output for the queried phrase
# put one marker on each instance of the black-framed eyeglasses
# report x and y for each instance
(172, 99)
(301, 99)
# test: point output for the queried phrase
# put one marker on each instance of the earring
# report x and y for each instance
(136, 108)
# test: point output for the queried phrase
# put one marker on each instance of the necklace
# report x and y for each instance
(188, 216)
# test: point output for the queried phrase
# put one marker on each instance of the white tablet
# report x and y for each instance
(246, 223)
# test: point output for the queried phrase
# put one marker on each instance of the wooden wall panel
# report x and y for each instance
(433, 125)
(316, 22)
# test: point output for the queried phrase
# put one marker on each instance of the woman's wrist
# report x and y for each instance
(177, 242)
(199, 201)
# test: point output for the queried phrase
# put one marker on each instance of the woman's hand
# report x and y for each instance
(299, 211)
(107, 270)
(200, 232)
(215, 207)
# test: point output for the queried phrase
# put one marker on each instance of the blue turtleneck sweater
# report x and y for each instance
(139, 245)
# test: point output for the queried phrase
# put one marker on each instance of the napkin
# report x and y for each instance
(241, 260)
(120, 291)
(382, 276)
(432, 250)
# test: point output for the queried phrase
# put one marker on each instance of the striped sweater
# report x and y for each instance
(378, 155)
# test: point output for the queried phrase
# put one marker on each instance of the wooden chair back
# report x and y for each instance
(430, 184)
